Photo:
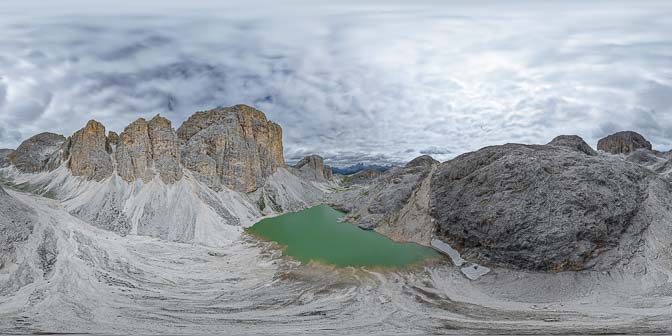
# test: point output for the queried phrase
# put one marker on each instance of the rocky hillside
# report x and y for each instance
(223, 167)
(555, 207)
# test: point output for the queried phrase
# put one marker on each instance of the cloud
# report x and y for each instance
(380, 82)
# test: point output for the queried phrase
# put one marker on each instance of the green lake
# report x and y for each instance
(315, 235)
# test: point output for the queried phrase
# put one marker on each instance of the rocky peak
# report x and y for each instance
(313, 167)
(235, 147)
(165, 149)
(37, 153)
(88, 151)
(623, 143)
(574, 142)
(146, 148)
(422, 161)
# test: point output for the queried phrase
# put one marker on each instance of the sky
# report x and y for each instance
(353, 81)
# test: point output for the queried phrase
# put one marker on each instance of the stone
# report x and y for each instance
(396, 204)
(623, 143)
(134, 152)
(542, 208)
(574, 142)
(38, 153)
(16, 224)
(234, 147)
(113, 138)
(165, 149)
(313, 168)
(147, 148)
(87, 152)
(4, 157)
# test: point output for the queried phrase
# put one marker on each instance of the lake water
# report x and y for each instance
(315, 235)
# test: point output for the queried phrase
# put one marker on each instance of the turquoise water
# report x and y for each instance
(315, 235)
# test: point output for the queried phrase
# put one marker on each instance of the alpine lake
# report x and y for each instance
(316, 235)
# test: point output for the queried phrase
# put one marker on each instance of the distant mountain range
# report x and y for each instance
(360, 167)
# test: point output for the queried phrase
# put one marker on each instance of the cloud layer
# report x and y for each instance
(381, 82)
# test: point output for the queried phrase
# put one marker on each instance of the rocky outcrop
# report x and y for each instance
(574, 142)
(397, 204)
(134, 152)
(38, 153)
(165, 149)
(623, 143)
(88, 152)
(313, 168)
(113, 138)
(4, 157)
(234, 147)
(540, 207)
(147, 148)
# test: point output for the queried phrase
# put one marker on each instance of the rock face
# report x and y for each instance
(623, 143)
(574, 142)
(38, 153)
(4, 157)
(146, 148)
(538, 207)
(312, 167)
(234, 147)
(88, 152)
(165, 149)
(397, 204)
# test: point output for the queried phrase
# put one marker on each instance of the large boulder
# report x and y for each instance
(623, 143)
(88, 152)
(313, 168)
(234, 147)
(538, 207)
(574, 142)
(38, 153)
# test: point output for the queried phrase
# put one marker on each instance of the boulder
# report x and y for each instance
(38, 153)
(574, 142)
(234, 147)
(88, 152)
(313, 168)
(537, 207)
(623, 143)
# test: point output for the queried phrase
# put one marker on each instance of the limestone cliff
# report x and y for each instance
(623, 143)
(88, 152)
(235, 147)
(313, 168)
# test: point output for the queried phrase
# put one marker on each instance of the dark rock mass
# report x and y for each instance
(38, 153)
(539, 207)
(623, 143)
(574, 142)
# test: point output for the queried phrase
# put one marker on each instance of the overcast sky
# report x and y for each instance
(354, 81)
